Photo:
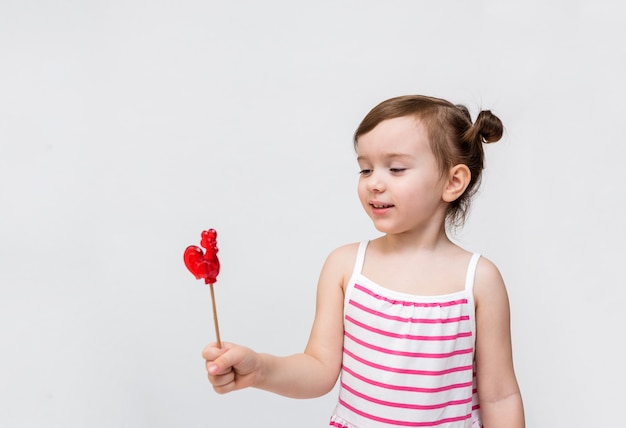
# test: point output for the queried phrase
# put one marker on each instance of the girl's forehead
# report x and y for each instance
(399, 124)
(394, 137)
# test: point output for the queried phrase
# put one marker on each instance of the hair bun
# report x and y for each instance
(488, 126)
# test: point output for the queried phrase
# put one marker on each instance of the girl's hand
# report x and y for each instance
(231, 368)
(308, 374)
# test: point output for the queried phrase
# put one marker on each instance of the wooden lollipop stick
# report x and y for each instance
(217, 327)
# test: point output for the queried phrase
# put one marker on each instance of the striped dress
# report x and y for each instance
(408, 360)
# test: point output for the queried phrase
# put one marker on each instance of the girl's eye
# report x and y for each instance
(397, 170)
(365, 172)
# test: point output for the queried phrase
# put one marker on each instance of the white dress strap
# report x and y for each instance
(360, 258)
(469, 288)
(358, 268)
(471, 272)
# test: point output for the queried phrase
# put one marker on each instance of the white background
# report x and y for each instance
(128, 127)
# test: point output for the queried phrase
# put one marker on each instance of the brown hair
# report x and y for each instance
(454, 139)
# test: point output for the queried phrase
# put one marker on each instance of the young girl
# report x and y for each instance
(416, 327)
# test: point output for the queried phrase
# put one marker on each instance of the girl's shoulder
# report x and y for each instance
(340, 262)
(488, 282)
(487, 272)
(344, 255)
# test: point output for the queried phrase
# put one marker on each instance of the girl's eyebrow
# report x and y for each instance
(389, 156)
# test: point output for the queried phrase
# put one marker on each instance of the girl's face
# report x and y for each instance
(401, 185)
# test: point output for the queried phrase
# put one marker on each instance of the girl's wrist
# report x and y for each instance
(261, 370)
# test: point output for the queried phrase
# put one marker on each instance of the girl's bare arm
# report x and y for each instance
(305, 375)
(500, 399)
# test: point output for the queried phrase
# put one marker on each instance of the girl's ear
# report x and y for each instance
(458, 180)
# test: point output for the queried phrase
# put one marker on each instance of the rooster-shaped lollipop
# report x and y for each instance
(207, 266)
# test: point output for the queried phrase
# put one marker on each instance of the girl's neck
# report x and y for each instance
(431, 240)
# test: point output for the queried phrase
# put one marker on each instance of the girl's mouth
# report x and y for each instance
(380, 206)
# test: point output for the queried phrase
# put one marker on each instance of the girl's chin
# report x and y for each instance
(386, 228)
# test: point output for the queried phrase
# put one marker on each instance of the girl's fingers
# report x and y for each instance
(229, 368)
(220, 361)
(224, 382)
(211, 351)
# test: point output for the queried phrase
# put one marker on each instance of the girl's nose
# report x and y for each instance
(376, 183)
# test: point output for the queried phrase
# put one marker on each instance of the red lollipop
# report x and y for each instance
(205, 265)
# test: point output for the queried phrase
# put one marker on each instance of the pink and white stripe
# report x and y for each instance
(408, 360)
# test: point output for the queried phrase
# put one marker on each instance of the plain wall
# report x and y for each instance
(128, 127)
